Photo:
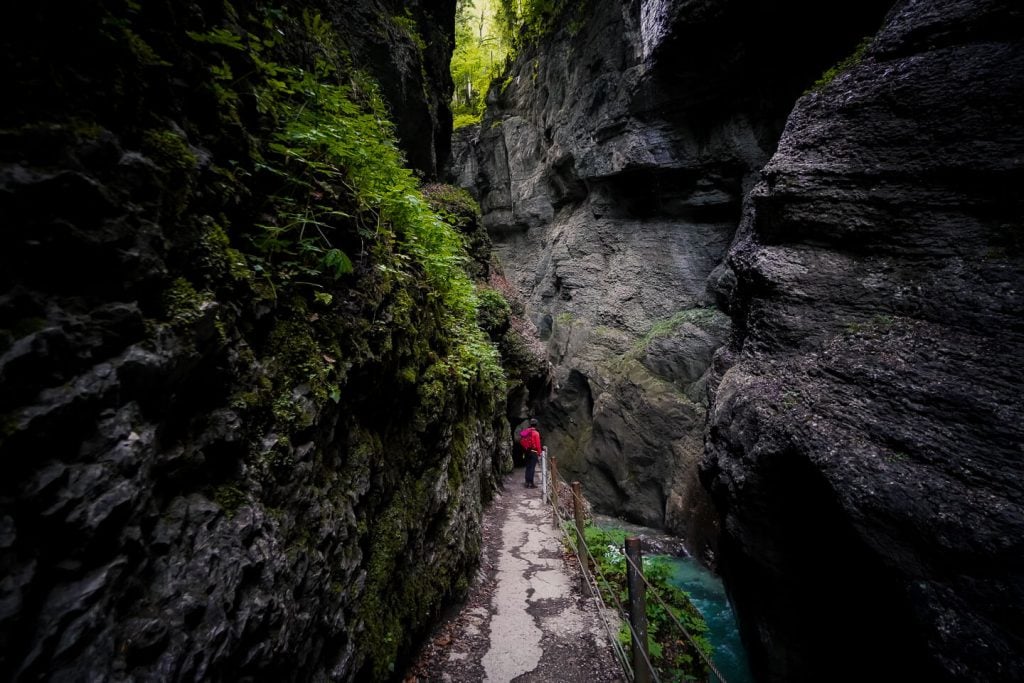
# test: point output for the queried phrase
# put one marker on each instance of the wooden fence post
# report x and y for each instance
(637, 610)
(581, 542)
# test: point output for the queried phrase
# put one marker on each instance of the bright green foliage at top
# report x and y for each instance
(487, 35)
(671, 653)
(343, 186)
(524, 21)
(480, 52)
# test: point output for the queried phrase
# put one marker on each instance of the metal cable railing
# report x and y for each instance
(586, 559)
(651, 589)
(603, 608)
(617, 646)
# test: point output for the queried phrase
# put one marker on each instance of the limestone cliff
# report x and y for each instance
(246, 432)
(865, 439)
(611, 166)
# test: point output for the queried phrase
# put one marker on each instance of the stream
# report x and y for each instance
(706, 591)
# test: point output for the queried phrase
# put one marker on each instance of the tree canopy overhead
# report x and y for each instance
(481, 47)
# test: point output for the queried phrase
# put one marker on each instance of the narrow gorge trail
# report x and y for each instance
(525, 618)
(276, 293)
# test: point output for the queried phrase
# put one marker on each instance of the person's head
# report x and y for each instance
(533, 422)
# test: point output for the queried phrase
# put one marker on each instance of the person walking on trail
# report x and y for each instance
(529, 439)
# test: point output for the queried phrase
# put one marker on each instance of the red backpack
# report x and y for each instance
(526, 438)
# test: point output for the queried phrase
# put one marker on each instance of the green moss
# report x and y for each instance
(402, 595)
(183, 304)
(465, 120)
(298, 358)
(701, 317)
(845, 65)
(275, 463)
(493, 314)
(406, 26)
(288, 413)
(408, 374)
(458, 452)
(238, 266)
(254, 398)
(454, 204)
(229, 498)
(457, 208)
(383, 603)
(169, 149)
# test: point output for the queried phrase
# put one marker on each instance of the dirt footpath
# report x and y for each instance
(524, 618)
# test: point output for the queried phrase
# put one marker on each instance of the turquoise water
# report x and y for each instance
(708, 594)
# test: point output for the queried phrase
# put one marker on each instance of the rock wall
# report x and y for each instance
(866, 434)
(219, 464)
(611, 165)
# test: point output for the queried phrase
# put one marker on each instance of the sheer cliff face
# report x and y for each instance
(865, 439)
(611, 167)
(210, 473)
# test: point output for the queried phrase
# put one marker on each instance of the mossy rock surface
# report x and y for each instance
(252, 398)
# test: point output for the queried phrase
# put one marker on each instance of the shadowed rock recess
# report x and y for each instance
(227, 457)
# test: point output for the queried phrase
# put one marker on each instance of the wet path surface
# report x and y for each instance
(524, 618)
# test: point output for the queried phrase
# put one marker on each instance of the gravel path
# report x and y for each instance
(524, 618)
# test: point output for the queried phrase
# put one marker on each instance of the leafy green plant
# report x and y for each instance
(465, 120)
(667, 326)
(494, 313)
(526, 21)
(671, 653)
(338, 187)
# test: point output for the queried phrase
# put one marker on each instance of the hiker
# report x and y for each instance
(529, 439)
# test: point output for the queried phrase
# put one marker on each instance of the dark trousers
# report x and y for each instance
(531, 466)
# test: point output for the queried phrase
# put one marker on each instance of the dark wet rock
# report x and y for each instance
(865, 433)
(611, 166)
(178, 499)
